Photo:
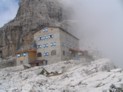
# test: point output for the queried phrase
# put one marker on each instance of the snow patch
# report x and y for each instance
(75, 76)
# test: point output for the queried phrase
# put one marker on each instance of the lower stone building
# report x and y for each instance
(25, 56)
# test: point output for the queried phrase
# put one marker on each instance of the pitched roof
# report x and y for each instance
(22, 51)
(63, 30)
(69, 33)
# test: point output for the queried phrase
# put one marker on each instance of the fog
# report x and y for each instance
(99, 25)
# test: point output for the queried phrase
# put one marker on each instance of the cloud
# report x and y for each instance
(100, 26)
(8, 10)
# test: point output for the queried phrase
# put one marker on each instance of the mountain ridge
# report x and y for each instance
(32, 15)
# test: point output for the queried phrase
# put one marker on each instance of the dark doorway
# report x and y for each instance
(21, 62)
(37, 64)
(0, 54)
(39, 54)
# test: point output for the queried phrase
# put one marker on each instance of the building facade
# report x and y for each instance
(25, 56)
(55, 44)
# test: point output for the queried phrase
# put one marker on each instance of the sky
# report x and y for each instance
(8, 10)
(99, 24)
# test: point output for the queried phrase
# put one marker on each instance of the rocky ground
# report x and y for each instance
(71, 76)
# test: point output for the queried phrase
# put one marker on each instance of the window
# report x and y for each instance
(45, 29)
(18, 55)
(53, 44)
(41, 38)
(53, 52)
(51, 36)
(39, 46)
(48, 36)
(46, 54)
(24, 54)
(45, 45)
(39, 54)
(45, 37)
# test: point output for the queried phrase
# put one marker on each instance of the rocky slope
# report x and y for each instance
(32, 16)
(98, 76)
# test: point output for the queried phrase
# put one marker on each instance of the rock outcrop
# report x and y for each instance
(32, 16)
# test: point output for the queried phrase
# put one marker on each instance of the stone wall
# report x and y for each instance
(8, 62)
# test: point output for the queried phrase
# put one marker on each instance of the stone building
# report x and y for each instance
(55, 44)
(25, 56)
